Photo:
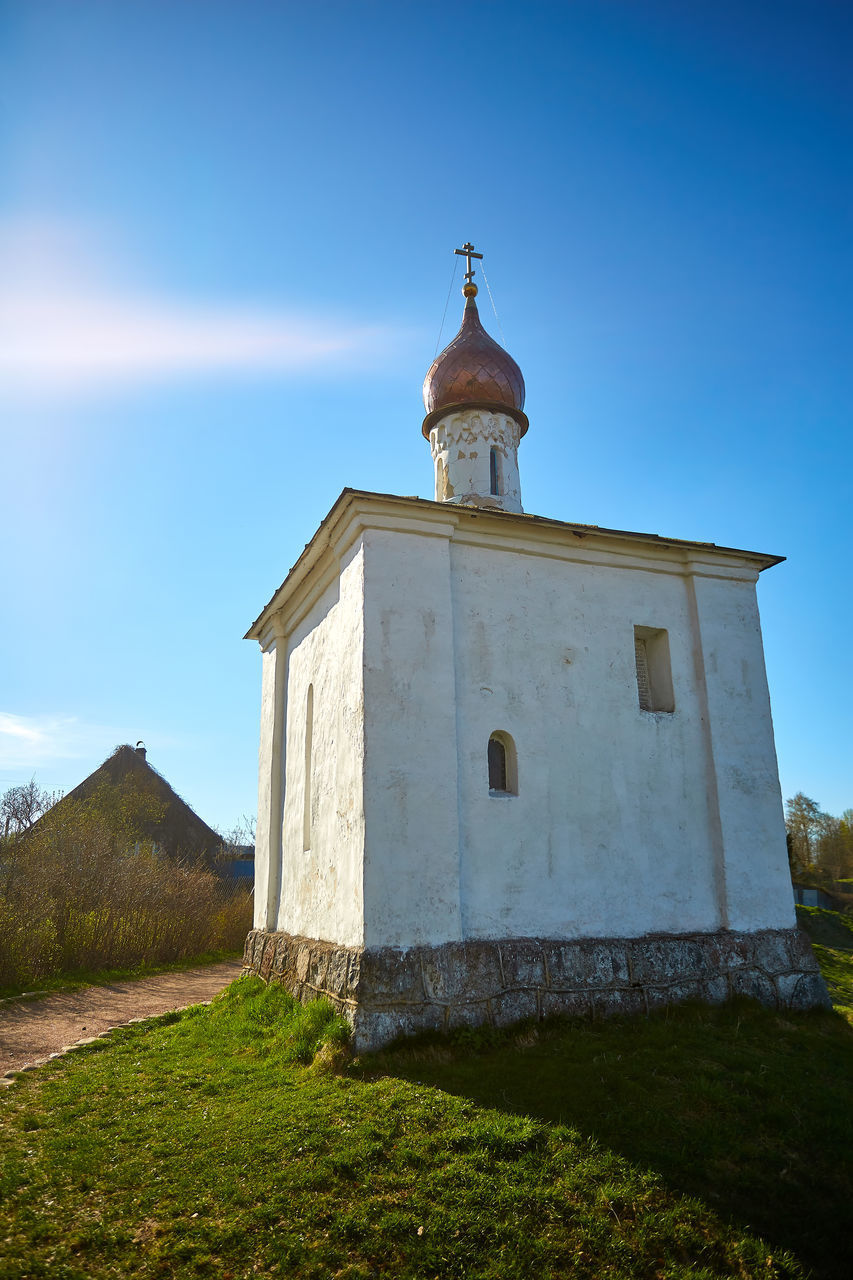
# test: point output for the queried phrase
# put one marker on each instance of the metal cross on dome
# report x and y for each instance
(467, 252)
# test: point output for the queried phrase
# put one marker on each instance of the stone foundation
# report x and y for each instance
(386, 992)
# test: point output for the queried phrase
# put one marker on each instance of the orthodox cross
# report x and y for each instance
(467, 252)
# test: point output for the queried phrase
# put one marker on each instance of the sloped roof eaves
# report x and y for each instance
(308, 550)
(765, 559)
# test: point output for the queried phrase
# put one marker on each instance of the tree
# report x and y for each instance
(834, 853)
(803, 821)
(20, 809)
(241, 834)
(835, 846)
(846, 823)
(22, 806)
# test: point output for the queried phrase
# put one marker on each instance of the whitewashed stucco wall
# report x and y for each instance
(625, 823)
(320, 892)
(411, 871)
(758, 882)
(267, 831)
(609, 832)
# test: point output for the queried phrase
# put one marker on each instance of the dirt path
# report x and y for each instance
(31, 1030)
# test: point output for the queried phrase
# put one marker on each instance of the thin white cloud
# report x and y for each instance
(28, 743)
(67, 324)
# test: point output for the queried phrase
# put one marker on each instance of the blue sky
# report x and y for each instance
(226, 236)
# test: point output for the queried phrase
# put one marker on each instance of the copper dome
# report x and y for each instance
(473, 370)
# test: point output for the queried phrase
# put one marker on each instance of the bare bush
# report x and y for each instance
(22, 806)
(85, 895)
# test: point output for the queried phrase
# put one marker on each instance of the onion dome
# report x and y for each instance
(473, 370)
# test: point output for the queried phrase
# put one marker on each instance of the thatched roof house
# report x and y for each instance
(177, 830)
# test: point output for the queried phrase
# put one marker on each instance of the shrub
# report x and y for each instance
(76, 894)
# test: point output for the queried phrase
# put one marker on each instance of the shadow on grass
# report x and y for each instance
(747, 1109)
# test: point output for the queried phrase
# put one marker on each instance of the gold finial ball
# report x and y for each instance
(469, 291)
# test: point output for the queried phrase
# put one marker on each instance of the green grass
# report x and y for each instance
(746, 1111)
(832, 940)
(200, 1145)
(103, 977)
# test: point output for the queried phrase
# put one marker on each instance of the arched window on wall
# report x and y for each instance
(309, 743)
(503, 765)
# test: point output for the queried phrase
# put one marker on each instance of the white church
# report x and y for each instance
(512, 766)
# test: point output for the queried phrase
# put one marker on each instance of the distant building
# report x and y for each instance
(237, 862)
(808, 895)
(178, 831)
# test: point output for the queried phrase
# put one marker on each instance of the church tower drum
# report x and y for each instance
(474, 398)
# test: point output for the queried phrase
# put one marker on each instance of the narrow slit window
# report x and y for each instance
(309, 737)
(654, 669)
(494, 472)
(642, 659)
(497, 765)
(503, 771)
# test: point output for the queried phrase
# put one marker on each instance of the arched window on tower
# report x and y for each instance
(503, 765)
(494, 472)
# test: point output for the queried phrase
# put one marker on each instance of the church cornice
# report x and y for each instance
(357, 510)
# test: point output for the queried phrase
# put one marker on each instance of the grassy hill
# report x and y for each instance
(705, 1142)
(832, 941)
